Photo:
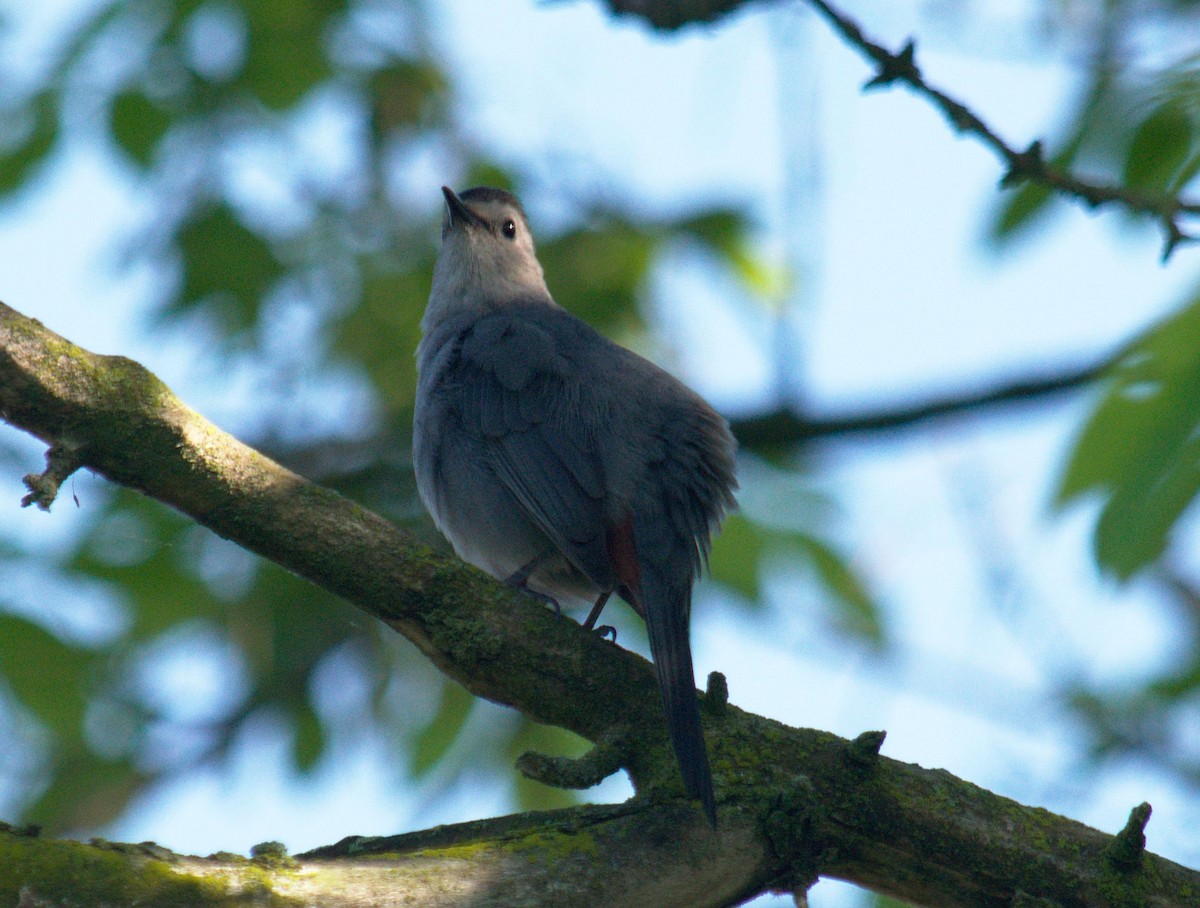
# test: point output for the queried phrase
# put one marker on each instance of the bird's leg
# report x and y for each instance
(519, 579)
(604, 630)
(590, 622)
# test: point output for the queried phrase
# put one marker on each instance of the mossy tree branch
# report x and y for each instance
(793, 803)
(609, 856)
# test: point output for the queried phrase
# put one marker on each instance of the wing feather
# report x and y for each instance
(517, 390)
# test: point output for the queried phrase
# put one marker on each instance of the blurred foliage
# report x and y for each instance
(747, 550)
(1137, 454)
(1131, 127)
(1154, 720)
(276, 143)
(1139, 451)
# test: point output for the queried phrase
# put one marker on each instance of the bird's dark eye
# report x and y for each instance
(509, 229)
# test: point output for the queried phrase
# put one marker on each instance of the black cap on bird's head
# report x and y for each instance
(487, 252)
(483, 207)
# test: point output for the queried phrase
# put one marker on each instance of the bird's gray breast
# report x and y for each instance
(504, 461)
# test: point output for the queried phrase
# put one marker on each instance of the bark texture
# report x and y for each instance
(792, 803)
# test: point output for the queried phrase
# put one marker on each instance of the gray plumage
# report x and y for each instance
(559, 461)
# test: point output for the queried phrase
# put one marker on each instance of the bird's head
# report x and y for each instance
(487, 256)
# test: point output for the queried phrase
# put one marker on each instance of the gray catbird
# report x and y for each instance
(560, 462)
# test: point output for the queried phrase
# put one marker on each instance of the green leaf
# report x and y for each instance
(745, 548)
(226, 264)
(407, 93)
(291, 626)
(54, 682)
(308, 738)
(19, 161)
(735, 556)
(857, 612)
(1022, 209)
(436, 738)
(1186, 172)
(285, 51)
(1159, 147)
(1139, 451)
(723, 230)
(1030, 202)
(382, 331)
(50, 678)
(1134, 528)
(598, 273)
(725, 233)
(86, 792)
(138, 125)
(489, 173)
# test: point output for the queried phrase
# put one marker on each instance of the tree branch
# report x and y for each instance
(1021, 165)
(611, 856)
(787, 427)
(793, 803)
(669, 15)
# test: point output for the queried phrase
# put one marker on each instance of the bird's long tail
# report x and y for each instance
(668, 609)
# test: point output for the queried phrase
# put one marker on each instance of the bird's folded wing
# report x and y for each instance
(517, 391)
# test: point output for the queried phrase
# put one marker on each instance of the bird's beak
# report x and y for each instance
(457, 212)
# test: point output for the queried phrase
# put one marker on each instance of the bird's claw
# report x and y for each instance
(519, 581)
(549, 601)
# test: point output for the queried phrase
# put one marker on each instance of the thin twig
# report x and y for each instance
(787, 427)
(1029, 164)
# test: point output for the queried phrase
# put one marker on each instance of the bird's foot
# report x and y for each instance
(519, 585)
(519, 580)
(543, 599)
